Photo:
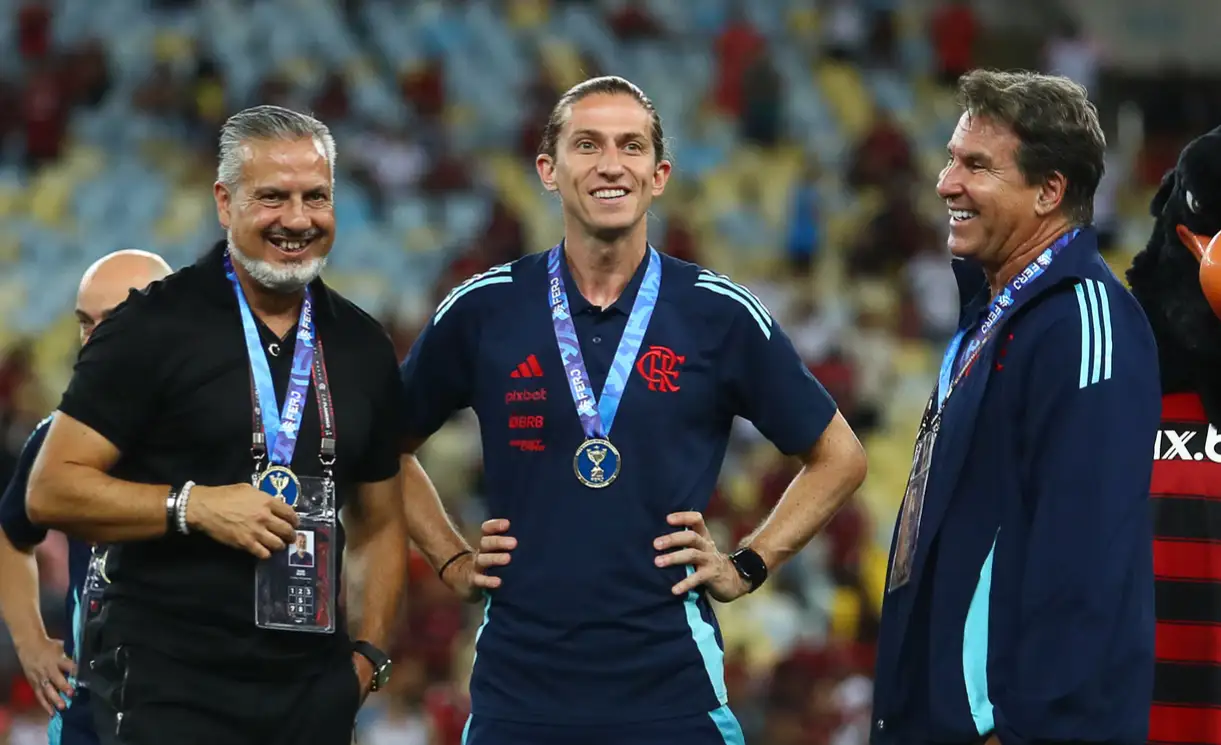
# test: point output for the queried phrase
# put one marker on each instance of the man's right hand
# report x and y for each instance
(47, 670)
(243, 517)
(468, 577)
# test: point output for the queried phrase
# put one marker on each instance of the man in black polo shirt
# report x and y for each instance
(202, 450)
(606, 377)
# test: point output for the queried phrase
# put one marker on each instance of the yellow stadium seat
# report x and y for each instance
(873, 572)
(527, 14)
(358, 283)
(843, 227)
(185, 211)
(13, 295)
(10, 247)
(360, 69)
(171, 46)
(523, 194)
(804, 23)
(299, 70)
(845, 92)
(458, 115)
(12, 201)
(562, 62)
(50, 196)
(55, 350)
(915, 357)
(422, 239)
(845, 614)
(82, 161)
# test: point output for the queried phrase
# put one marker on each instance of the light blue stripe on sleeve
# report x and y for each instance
(445, 306)
(705, 641)
(764, 325)
(1096, 358)
(1105, 303)
(1085, 338)
(975, 649)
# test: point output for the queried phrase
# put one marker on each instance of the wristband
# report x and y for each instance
(452, 559)
(180, 507)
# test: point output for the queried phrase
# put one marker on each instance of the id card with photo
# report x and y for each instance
(913, 506)
(295, 588)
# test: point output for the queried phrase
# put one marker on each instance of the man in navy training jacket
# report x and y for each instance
(1019, 602)
(606, 377)
(49, 663)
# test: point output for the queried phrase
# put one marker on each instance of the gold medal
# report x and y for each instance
(596, 463)
(281, 483)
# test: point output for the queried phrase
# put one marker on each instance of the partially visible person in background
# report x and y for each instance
(50, 664)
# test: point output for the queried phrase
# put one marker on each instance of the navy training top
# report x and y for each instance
(584, 628)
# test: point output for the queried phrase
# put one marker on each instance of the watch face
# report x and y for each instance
(382, 675)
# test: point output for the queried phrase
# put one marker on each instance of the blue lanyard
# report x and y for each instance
(598, 415)
(951, 373)
(280, 432)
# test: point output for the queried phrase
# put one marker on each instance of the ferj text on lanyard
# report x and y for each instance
(597, 462)
(953, 368)
(275, 436)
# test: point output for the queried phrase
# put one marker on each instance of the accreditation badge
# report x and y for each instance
(295, 588)
(913, 506)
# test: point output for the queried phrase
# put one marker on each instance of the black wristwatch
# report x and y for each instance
(750, 566)
(380, 661)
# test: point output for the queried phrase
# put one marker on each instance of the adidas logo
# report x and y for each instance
(528, 369)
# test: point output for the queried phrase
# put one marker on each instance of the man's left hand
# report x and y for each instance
(713, 569)
(364, 673)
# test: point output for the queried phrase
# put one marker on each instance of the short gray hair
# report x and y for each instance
(267, 123)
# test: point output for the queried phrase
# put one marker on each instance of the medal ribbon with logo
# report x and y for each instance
(597, 463)
(277, 436)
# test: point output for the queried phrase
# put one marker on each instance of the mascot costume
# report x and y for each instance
(1177, 280)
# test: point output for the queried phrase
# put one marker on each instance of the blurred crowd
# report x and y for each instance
(838, 230)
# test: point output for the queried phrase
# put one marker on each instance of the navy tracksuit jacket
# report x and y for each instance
(1029, 612)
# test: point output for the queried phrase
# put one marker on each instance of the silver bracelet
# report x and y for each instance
(180, 507)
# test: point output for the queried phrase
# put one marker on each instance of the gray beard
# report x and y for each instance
(278, 278)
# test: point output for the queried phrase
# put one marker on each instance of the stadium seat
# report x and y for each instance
(848, 98)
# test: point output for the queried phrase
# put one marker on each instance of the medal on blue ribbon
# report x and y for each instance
(597, 462)
(280, 431)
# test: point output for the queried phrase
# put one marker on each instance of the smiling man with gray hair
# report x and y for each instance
(203, 431)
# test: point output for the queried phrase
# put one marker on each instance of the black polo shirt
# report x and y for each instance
(166, 379)
(585, 629)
